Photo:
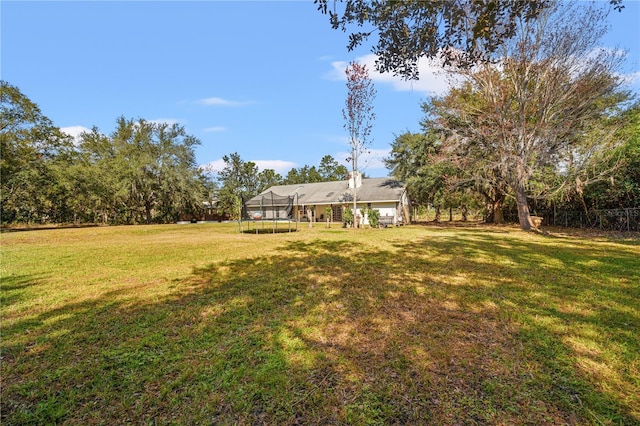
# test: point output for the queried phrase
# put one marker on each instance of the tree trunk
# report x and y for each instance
(498, 216)
(494, 205)
(524, 215)
(147, 212)
(494, 201)
(437, 218)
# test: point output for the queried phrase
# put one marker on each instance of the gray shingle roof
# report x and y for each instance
(372, 190)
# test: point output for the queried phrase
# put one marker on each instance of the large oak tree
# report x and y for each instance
(144, 172)
(34, 161)
(540, 110)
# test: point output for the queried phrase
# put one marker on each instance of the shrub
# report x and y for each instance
(347, 217)
(374, 216)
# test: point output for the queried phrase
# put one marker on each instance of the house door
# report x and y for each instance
(337, 213)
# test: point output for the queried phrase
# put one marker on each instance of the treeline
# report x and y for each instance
(440, 180)
(143, 172)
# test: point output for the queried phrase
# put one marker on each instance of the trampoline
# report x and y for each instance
(268, 210)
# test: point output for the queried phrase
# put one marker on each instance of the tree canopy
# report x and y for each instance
(331, 170)
(461, 32)
(238, 183)
(542, 110)
(414, 160)
(621, 188)
(143, 172)
(35, 157)
(328, 170)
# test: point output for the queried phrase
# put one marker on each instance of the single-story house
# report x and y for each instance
(209, 212)
(298, 201)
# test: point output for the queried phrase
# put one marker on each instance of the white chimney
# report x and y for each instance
(357, 182)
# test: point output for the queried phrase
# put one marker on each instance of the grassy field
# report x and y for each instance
(199, 324)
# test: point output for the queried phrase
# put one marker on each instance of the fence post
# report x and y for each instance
(628, 219)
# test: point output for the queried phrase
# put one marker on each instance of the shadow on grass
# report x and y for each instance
(478, 328)
(269, 231)
(576, 305)
(13, 288)
(22, 228)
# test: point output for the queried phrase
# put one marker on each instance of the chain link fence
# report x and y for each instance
(623, 220)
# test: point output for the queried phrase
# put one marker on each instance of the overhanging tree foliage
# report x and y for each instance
(469, 172)
(461, 32)
(432, 179)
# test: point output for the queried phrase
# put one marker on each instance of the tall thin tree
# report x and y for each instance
(358, 116)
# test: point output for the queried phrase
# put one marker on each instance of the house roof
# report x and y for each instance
(372, 190)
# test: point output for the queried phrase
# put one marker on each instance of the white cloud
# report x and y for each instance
(75, 132)
(223, 102)
(631, 79)
(368, 161)
(433, 78)
(214, 129)
(374, 158)
(213, 166)
(279, 166)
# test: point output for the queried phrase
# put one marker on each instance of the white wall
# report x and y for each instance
(385, 209)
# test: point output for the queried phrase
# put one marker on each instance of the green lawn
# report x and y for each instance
(199, 324)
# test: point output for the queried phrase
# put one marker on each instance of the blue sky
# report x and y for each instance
(261, 78)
